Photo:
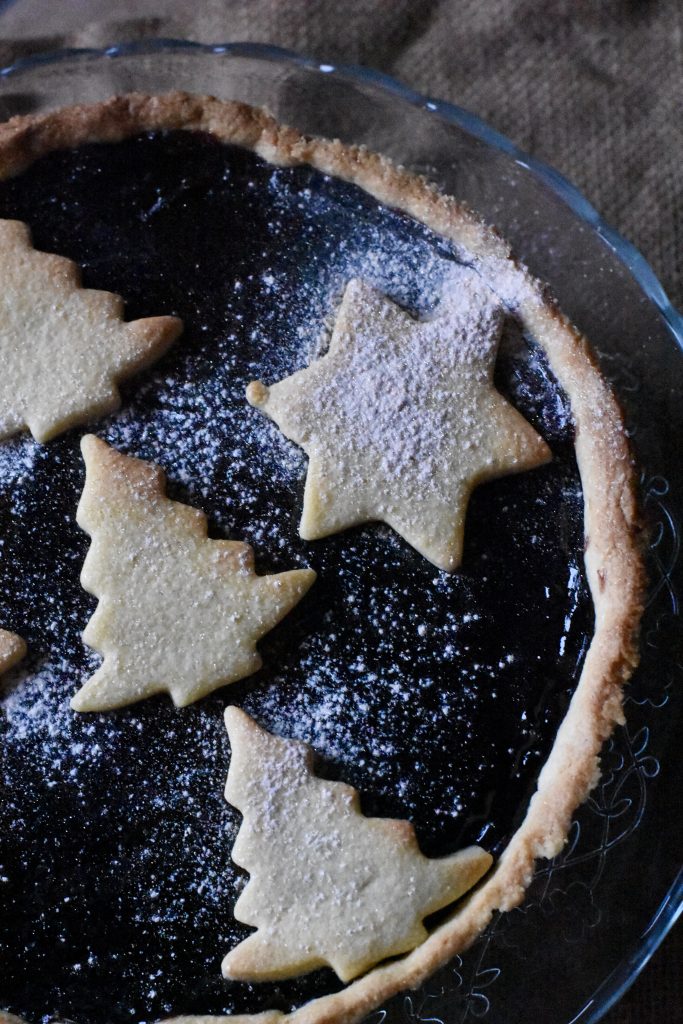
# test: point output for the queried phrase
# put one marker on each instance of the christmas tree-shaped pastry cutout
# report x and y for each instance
(178, 612)
(63, 348)
(12, 650)
(328, 886)
(400, 418)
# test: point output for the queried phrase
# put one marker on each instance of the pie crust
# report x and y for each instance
(611, 515)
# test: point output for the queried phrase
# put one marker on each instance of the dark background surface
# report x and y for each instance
(596, 89)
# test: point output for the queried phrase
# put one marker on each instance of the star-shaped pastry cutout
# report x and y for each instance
(400, 418)
(178, 612)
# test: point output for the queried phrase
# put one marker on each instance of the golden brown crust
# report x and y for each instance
(612, 526)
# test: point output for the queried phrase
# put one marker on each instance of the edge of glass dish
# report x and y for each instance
(629, 255)
(671, 907)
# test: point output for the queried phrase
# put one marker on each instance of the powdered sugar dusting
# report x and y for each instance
(410, 684)
(395, 390)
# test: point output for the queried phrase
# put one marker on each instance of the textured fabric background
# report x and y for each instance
(594, 87)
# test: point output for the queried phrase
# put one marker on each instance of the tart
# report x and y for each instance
(473, 703)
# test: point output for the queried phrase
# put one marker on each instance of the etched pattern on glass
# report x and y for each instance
(564, 897)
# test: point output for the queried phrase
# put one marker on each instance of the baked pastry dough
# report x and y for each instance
(328, 885)
(400, 418)
(178, 612)
(12, 650)
(63, 347)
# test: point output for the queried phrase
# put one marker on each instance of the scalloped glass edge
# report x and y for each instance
(670, 909)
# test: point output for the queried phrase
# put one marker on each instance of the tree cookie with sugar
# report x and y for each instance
(178, 612)
(63, 348)
(328, 885)
(400, 418)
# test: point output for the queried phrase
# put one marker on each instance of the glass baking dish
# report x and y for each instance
(593, 916)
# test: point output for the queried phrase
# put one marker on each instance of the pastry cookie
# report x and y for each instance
(329, 886)
(400, 419)
(63, 348)
(12, 650)
(384, 623)
(178, 612)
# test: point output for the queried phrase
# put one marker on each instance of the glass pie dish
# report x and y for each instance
(604, 904)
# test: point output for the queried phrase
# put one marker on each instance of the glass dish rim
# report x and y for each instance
(630, 256)
(671, 907)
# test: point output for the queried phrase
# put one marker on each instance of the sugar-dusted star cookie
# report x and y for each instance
(328, 886)
(12, 650)
(63, 348)
(400, 418)
(178, 612)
